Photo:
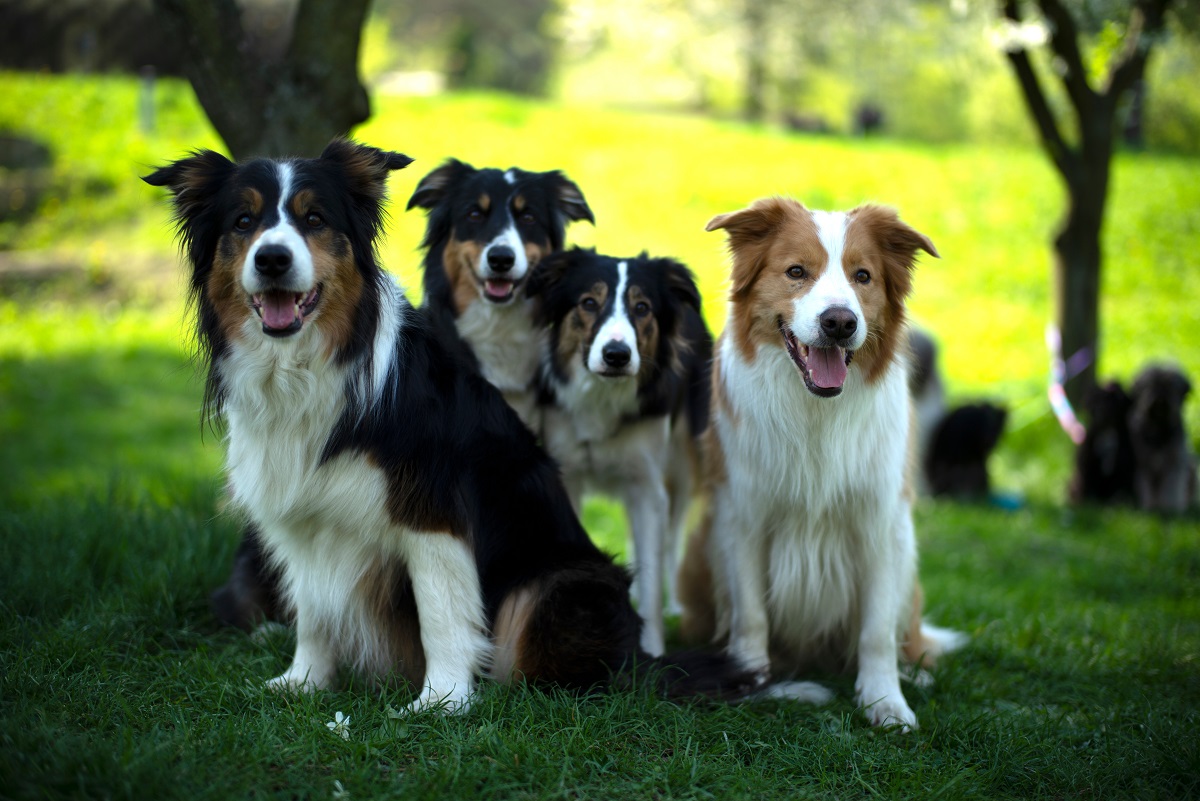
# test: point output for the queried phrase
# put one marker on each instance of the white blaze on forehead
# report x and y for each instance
(301, 277)
(617, 327)
(832, 289)
(512, 238)
(510, 177)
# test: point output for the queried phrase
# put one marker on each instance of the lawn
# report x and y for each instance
(115, 682)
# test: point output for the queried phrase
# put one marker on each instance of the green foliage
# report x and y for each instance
(115, 681)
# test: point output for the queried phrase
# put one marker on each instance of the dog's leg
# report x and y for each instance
(884, 588)
(646, 503)
(741, 554)
(679, 491)
(314, 664)
(449, 599)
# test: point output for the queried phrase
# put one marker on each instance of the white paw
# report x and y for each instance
(885, 706)
(454, 702)
(806, 692)
(298, 681)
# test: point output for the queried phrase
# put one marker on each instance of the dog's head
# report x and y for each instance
(1156, 404)
(493, 226)
(279, 247)
(1107, 407)
(614, 317)
(828, 287)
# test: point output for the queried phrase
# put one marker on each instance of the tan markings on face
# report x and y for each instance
(645, 327)
(767, 290)
(252, 200)
(882, 296)
(534, 253)
(579, 326)
(301, 203)
(484, 202)
(224, 287)
(459, 260)
(341, 286)
(519, 204)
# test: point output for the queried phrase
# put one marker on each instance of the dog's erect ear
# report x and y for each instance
(550, 270)
(193, 181)
(367, 168)
(749, 232)
(569, 199)
(433, 187)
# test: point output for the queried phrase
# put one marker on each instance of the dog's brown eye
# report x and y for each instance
(641, 309)
(475, 215)
(526, 219)
(862, 277)
(796, 271)
(314, 220)
(589, 304)
(243, 223)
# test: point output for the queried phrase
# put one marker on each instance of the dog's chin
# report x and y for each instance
(284, 312)
(822, 368)
(500, 291)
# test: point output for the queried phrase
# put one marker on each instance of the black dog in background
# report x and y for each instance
(1104, 466)
(962, 441)
(1165, 480)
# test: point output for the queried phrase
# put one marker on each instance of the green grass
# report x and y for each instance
(115, 682)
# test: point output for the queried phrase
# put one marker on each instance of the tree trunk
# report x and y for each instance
(265, 105)
(754, 104)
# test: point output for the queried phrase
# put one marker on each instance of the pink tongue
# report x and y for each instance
(827, 366)
(498, 289)
(279, 309)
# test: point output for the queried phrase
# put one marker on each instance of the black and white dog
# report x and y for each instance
(487, 229)
(625, 389)
(419, 529)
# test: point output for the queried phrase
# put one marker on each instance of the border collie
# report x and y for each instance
(486, 230)
(625, 387)
(420, 530)
(808, 556)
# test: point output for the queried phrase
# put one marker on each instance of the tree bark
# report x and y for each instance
(1084, 167)
(273, 106)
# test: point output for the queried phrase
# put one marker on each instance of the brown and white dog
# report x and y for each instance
(808, 556)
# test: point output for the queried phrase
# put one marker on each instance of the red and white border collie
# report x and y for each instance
(487, 230)
(808, 557)
(419, 529)
(624, 388)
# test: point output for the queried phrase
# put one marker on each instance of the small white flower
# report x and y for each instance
(340, 725)
(338, 790)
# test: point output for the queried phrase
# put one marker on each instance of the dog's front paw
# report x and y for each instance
(886, 707)
(299, 680)
(455, 702)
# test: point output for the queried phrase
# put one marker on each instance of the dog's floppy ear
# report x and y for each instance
(749, 232)
(680, 282)
(550, 270)
(899, 244)
(367, 167)
(193, 180)
(433, 187)
(569, 199)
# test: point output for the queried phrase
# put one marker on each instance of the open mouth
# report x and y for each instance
(823, 369)
(283, 312)
(499, 290)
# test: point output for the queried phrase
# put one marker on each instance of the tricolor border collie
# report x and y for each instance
(808, 556)
(419, 529)
(486, 230)
(625, 388)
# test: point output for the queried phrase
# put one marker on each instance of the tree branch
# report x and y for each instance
(1064, 40)
(1146, 23)
(1035, 98)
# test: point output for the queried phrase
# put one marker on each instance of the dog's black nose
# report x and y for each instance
(501, 258)
(838, 323)
(615, 354)
(272, 261)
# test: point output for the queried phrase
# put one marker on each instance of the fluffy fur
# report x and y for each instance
(624, 388)
(1165, 476)
(419, 530)
(807, 556)
(487, 230)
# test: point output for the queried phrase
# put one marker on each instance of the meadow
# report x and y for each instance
(115, 682)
